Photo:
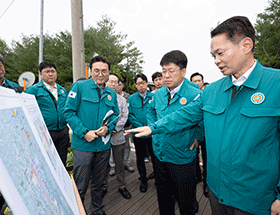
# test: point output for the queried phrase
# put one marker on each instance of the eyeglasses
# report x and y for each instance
(141, 83)
(49, 71)
(114, 82)
(103, 71)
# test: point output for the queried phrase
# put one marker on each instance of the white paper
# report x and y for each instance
(107, 138)
(29, 163)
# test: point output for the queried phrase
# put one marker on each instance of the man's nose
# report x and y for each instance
(217, 61)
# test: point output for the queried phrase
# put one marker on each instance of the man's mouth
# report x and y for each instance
(222, 68)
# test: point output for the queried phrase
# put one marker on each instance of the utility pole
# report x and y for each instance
(41, 36)
(78, 52)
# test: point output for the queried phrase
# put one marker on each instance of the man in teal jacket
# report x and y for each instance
(4, 82)
(175, 162)
(241, 125)
(137, 107)
(92, 112)
(51, 98)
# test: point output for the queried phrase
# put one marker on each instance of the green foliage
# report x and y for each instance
(102, 40)
(126, 59)
(267, 49)
(69, 161)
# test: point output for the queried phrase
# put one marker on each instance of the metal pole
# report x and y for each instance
(41, 36)
(78, 53)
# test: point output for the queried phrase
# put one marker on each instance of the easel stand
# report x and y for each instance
(78, 198)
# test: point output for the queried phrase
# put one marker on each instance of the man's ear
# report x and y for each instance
(247, 45)
(184, 71)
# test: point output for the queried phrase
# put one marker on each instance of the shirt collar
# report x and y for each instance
(244, 77)
(174, 91)
(4, 82)
(144, 96)
(49, 86)
(101, 88)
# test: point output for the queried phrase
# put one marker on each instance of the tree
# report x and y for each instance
(103, 40)
(267, 27)
(126, 59)
(6, 53)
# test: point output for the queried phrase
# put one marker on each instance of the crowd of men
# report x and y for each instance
(234, 122)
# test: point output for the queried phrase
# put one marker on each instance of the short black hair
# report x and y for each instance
(235, 28)
(196, 74)
(46, 64)
(156, 75)
(121, 80)
(99, 59)
(177, 57)
(140, 75)
(111, 73)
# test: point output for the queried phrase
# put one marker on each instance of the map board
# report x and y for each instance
(32, 177)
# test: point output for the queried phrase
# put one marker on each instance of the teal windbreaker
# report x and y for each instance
(10, 84)
(242, 138)
(84, 111)
(173, 147)
(51, 109)
(138, 110)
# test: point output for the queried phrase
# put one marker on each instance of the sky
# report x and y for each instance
(156, 26)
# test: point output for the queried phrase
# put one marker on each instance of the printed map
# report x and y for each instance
(27, 166)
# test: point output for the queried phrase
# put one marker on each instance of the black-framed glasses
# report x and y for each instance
(141, 83)
(49, 71)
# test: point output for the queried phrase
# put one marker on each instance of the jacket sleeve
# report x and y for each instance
(31, 90)
(122, 116)
(71, 109)
(199, 132)
(184, 118)
(132, 119)
(151, 113)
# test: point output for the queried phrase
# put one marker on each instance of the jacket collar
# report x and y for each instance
(148, 95)
(5, 82)
(179, 92)
(94, 85)
(252, 81)
(255, 77)
(59, 88)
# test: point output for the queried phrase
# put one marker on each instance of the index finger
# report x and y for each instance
(130, 131)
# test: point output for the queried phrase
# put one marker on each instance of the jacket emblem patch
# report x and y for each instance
(257, 98)
(183, 101)
(72, 94)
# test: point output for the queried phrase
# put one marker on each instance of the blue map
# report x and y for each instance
(25, 163)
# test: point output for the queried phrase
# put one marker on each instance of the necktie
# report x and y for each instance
(98, 92)
(169, 98)
(235, 89)
(142, 100)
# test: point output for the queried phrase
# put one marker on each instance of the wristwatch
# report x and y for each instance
(85, 132)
